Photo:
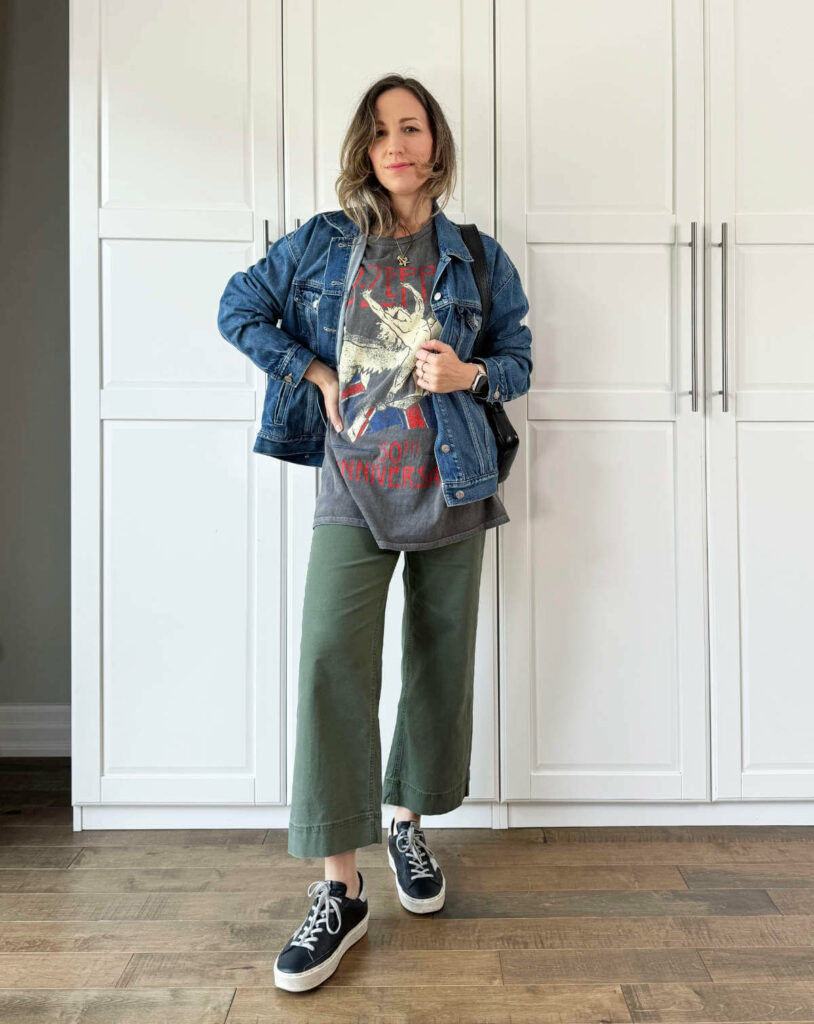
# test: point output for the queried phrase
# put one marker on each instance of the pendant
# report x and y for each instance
(403, 261)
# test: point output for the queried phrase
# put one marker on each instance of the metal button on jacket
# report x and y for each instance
(444, 447)
(459, 494)
(437, 296)
(288, 378)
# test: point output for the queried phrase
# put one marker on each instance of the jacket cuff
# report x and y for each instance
(498, 391)
(295, 361)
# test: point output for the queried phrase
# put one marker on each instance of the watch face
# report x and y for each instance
(482, 385)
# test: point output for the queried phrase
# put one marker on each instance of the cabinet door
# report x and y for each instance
(600, 175)
(323, 84)
(175, 521)
(761, 447)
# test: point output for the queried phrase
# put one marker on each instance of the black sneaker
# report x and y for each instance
(333, 924)
(419, 880)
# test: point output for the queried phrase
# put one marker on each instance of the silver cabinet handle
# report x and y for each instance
(693, 286)
(693, 244)
(724, 343)
(266, 239)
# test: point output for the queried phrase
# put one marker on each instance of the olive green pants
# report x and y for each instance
(336, 801)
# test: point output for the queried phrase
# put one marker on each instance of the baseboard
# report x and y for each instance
(88, 817)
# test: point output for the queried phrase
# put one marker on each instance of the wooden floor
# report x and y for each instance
(560, 925)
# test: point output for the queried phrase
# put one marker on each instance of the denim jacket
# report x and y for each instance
(305, 281)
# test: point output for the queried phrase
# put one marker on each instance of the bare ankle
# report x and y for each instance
(342, 868)
(405, 814)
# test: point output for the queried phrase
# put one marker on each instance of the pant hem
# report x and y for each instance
(399, 793)
(332, 837)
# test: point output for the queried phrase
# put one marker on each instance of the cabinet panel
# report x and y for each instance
(178, 634)
(175, 78)
(178, 693)
(603, 637)
(761, 447)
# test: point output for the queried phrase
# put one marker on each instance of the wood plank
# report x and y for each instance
(253, 907)
(402, 932)
(542, 966)
(360, 966)
(793, 901)
(290, 878)
(214, 837)
(711, 1002)
(46, 817)
(526, 857)
(116, 1006)
(675, 833)
(608, 904)
(61, 970)
(791, 874)
(399, 932)
(332, 1002)
(752, 965)
(15, 858)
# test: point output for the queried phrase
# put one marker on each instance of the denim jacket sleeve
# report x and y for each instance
(505, 347)
(253, 302)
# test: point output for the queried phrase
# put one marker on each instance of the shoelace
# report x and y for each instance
(411, 842)
(319, 915)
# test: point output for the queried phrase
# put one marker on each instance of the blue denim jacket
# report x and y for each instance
(305, 280)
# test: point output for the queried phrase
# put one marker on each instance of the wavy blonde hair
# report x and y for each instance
(361, 195)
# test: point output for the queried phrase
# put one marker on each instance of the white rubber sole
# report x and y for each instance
(417, 906)
(310, 979)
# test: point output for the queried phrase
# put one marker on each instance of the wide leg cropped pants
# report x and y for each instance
(337, 789)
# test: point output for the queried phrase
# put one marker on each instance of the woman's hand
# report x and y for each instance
(438, 368)
(327, 380)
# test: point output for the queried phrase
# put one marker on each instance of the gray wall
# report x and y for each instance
(34, 346)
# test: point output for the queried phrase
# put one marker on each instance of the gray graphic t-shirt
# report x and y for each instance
(380, 470)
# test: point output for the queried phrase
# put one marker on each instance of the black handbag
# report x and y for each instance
(505, 435)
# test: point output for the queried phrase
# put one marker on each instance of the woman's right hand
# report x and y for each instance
(327, 380)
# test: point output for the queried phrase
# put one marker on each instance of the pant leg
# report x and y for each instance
(336, 800)
(428, 766)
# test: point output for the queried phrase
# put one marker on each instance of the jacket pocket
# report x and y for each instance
(469, 321)
(277, 401)
(306, 304)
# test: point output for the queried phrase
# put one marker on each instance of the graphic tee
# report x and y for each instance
(380, 470)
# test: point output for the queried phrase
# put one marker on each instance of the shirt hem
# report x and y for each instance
(419, 545)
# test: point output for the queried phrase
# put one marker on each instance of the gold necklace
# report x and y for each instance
(403, 260)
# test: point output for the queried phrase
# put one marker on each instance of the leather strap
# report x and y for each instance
(471, 236)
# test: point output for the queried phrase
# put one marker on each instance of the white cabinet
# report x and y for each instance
(760, 449)
(643, 616)
(604, 643)
(661, 533)
(176, 555)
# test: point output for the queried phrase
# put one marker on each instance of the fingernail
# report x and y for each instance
(337, 426)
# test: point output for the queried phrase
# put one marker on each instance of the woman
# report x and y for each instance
(409, 464)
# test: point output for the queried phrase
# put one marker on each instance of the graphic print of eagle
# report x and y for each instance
(365, 361)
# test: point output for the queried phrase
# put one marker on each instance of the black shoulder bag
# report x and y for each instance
(505, 435)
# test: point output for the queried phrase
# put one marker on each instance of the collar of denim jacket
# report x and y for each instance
(448, 233)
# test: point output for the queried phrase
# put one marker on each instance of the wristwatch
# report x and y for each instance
(480, 385)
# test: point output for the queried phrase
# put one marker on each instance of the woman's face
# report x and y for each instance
(403, 142)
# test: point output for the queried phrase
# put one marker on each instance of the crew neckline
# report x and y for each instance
(391, 240)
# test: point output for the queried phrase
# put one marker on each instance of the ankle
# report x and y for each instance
(403, 814)
(352, 884)
(352, 887)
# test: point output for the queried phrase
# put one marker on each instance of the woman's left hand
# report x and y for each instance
(438, 368)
